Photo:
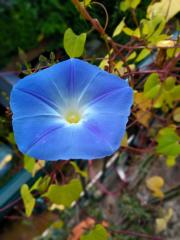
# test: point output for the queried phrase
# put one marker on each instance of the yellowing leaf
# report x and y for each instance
(165, 43)
(143, 117)
(74, 44)
(155, 184)
(124, 142)
(176, 114)
(165, 8)
(119, 28)
(28, 199)
(142, 102)
(161, 223)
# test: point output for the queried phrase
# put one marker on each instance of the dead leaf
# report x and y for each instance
(161, 223)
(155, 184)
(143, 117)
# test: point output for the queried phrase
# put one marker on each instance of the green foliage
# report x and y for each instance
(152, 86)
(74, 44)
(42, 184)
(25, 24)
(65, 194)
(131, 209)
(29, 163)
(143, 54)
(98, 233)
(125, 5)
(28, 200)
(78, 170)
(119, 28)
(168, 142)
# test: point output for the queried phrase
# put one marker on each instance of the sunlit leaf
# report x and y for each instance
(132, 56)
(74, 44)
(119, 28)
(143, 54)
(165, 8)
(28, 199)
(165, 43)
(155, 184)
(65, 194)
(98, 233)
(152, 86)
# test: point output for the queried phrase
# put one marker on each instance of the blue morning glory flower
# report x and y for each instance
(71, 110)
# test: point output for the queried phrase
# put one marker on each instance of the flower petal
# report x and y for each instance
(117, 101)
(102, 83)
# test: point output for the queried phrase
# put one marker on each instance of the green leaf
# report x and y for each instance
(130, 32)
(87, 2)
(175, 92)
(169, 83)
(125, 5)
(78, 170)
(132, 56)
(168, 142)
(11, 139)
(143, 54)
(152, 86)
(74, 44)
(65, 194)
(29, 163)
(28, 199)
(135, 3)
(119, 28)
(41, 184)
(98, 233)
(171, 161)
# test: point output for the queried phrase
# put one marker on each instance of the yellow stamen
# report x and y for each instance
(73, 117)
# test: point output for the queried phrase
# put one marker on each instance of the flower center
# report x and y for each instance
(73, 117)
